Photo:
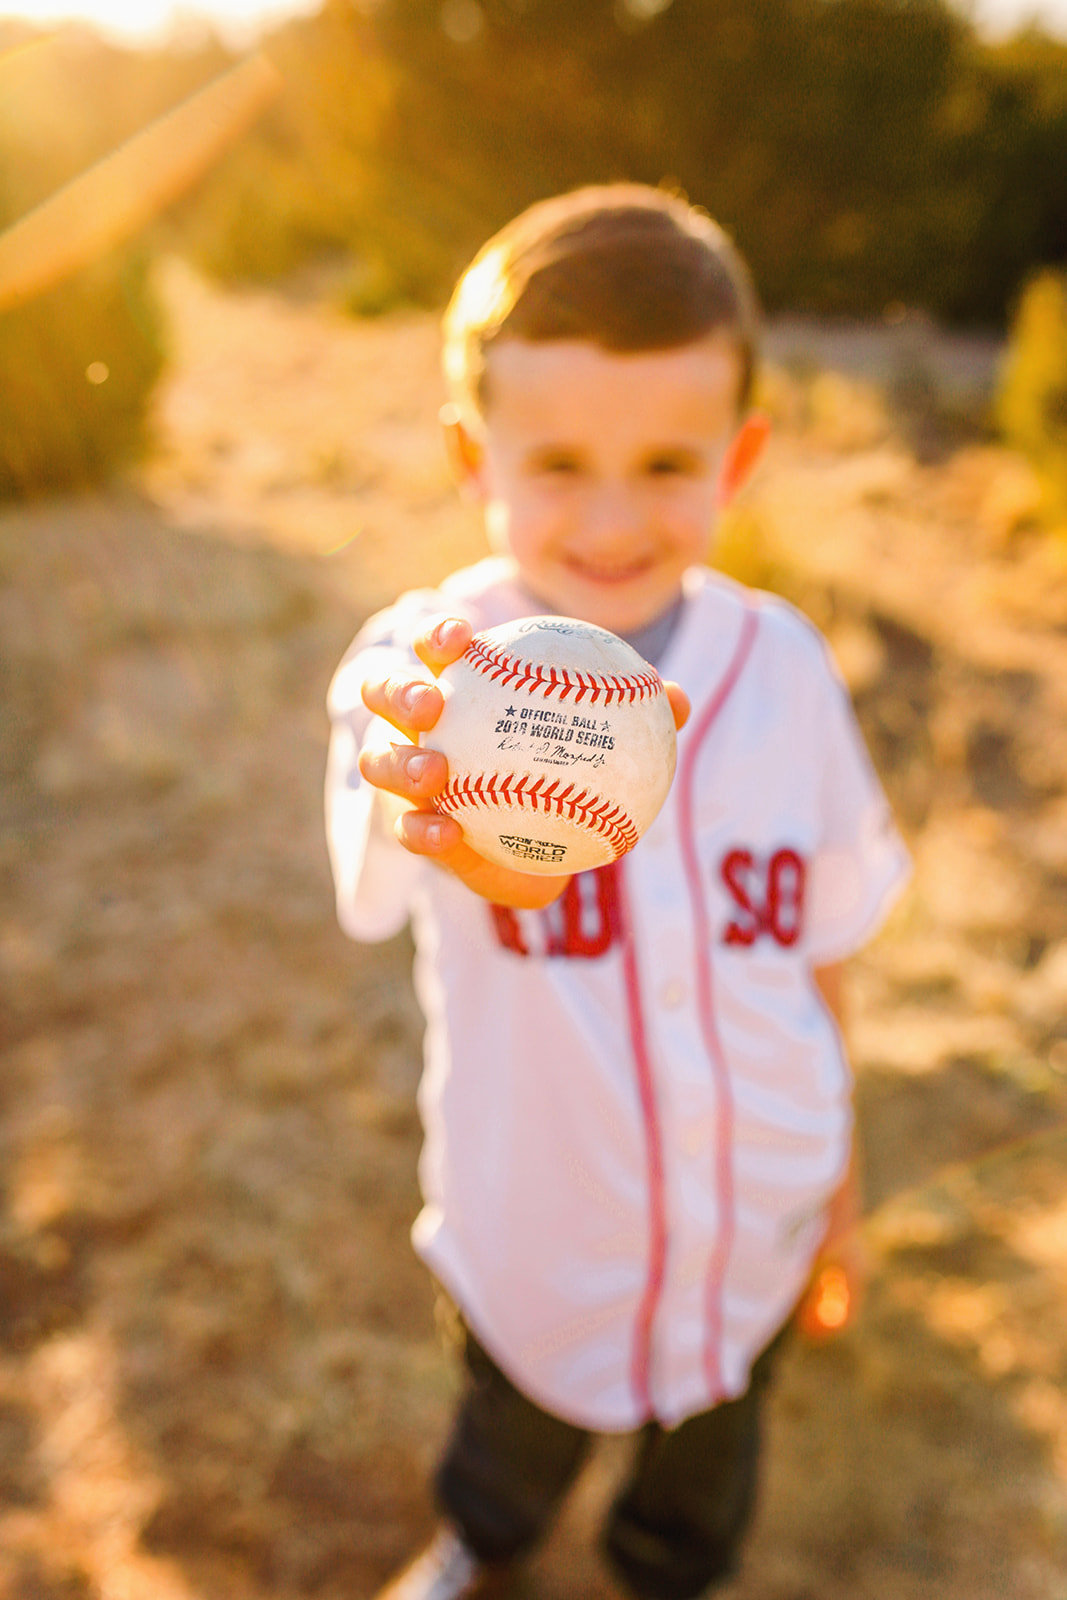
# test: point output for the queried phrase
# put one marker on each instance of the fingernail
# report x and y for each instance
(434, 833)
(411, 696)
(416, 766)
(444, 630)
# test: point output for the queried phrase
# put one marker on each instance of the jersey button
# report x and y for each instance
(672, 994)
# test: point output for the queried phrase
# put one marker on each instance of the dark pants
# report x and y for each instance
(677, 1523)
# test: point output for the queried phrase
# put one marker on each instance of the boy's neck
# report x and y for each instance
(650, 640)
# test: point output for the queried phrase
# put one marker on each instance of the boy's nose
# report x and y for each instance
(612, 513)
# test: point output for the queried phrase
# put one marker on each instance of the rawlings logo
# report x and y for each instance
(549, 799)
(495, 664)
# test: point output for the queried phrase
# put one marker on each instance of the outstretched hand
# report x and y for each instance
(415, 775)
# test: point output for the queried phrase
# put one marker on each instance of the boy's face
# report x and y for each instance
(600, 472)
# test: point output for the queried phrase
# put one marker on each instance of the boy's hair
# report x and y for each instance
(624, 266)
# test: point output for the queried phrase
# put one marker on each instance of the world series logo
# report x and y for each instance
(532, 849)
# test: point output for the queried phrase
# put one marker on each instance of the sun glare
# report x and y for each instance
(237, 20)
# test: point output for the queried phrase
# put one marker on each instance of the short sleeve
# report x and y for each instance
(376, 880)
(374, 877)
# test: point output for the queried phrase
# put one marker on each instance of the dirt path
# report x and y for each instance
(218, 1373)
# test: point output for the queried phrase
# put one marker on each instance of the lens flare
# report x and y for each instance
(120, 194)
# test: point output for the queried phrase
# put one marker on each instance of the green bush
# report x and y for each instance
(1032, 399)
(79, 361)
(77, 365)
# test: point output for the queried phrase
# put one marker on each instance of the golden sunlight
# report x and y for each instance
(142, 20)
(122, 192)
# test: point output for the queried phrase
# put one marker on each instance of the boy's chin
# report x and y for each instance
(623, 609)
(622, 618)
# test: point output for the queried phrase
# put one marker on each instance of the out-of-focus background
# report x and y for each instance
(227, 240)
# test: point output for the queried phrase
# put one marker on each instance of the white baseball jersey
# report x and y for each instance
(635, 1103)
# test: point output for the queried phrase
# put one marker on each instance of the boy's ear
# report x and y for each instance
(742, 454)
(466, 454)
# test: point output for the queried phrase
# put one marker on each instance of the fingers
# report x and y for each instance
(829, 1306)
(441, 839)
(444, 643)
(426, 833)
(412, 704)
(405, 770)
(835, 1291)
(679, 703)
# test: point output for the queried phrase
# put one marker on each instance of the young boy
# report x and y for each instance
(636, 1105)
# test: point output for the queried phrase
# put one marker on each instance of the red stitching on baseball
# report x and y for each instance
(507, 789)
(493, 662)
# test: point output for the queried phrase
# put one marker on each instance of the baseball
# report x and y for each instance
(560, 744)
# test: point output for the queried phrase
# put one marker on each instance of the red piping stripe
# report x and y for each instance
(724, 1176)
(641, 1359)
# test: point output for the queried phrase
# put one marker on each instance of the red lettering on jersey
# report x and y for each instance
(736, 868)
(785, 896)
(768, 896)
(508, 932)
(582, 924)
(591, 914)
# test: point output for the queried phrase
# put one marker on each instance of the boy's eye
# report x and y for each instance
(558, 463)
(673, 463)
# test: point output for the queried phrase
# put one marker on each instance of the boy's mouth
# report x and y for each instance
(610, 573)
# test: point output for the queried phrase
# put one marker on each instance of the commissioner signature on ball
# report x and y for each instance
(554, 755)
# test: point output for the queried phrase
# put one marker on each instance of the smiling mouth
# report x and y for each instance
(611, 574)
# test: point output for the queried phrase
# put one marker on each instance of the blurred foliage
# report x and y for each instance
(76, 367)
(295, 189)
(862, 152)
(1032, 399)
(78, 362)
